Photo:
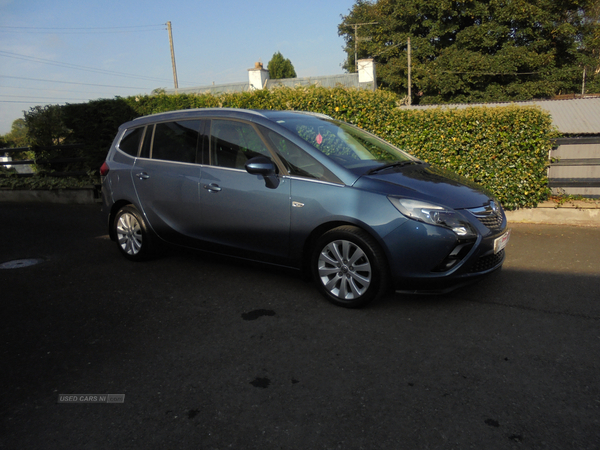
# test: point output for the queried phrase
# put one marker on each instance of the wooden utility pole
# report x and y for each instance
(409, 75)
(172, 56)
(356, 25)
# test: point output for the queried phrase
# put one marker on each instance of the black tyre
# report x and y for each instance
(349, 267)
(131, 234)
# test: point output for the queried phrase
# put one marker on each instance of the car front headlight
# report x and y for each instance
(434, 215)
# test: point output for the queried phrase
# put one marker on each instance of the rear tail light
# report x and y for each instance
(104, 169)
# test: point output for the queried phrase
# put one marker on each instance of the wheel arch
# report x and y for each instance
(113, 211)
(312, 238)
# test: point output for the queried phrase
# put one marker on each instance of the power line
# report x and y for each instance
(84, 68)
(41, 98)
(77, 67)
(79, 32)
(72, 82)
(25, 102)
(83, 30)
(87, 28)
(459, 73)
(70, 91)
(489, 73)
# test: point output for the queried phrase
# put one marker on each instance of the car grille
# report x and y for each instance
(492, 222)
(486, 263)
(490, 216)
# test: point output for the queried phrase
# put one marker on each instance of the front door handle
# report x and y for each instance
(212, 187)
(142, 175)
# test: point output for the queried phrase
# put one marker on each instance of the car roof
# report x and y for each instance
(281, 115)
(271, 115)
(268, 118)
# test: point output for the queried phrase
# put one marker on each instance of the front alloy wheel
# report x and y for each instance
(349, 267)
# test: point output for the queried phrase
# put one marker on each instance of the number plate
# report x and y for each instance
(501, 242)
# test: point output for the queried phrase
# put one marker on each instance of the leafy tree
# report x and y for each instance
(17, 137)
(280, 67)
(18, 134)
(45, 126)
(478, 50)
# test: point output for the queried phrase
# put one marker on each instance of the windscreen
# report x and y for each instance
(348, 146)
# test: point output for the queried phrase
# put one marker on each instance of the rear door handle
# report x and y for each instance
(212, 187)
(142, 176)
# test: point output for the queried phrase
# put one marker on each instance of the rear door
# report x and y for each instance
(166, 177)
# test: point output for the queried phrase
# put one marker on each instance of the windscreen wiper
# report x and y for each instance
(390, 165)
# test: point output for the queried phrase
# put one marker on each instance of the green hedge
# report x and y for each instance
(505, 149)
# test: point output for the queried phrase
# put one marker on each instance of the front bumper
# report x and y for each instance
(426, 258)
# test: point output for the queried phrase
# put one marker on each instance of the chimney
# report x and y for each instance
(258, 77)
(366, 72)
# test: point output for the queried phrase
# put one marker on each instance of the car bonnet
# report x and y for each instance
(423, 182)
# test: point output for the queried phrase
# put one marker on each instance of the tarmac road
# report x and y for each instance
(214, 354)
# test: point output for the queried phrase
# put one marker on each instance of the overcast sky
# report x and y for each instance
(72, 51)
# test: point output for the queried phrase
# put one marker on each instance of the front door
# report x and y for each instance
(238, 210)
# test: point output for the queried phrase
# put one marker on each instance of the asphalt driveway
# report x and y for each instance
(211, 353)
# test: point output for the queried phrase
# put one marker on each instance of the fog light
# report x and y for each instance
(459, 252)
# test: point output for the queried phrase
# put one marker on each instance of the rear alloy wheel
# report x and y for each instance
(349, 267)
(131, 235)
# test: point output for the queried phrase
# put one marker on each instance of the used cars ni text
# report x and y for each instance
(300, 190)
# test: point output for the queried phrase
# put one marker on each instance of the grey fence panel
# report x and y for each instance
(213, 89)
(328, 81)
(575, 167)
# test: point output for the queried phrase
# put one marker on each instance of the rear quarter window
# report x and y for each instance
(130, 142)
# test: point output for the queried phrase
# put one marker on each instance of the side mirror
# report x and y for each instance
(261, 165)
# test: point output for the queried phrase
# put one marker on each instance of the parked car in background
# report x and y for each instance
(300, 190)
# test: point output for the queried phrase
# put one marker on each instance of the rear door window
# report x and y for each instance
(176, 141)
